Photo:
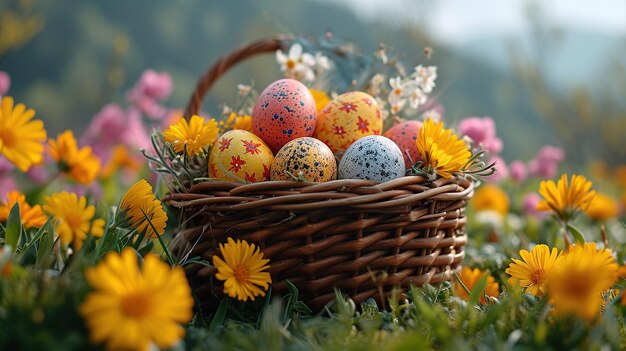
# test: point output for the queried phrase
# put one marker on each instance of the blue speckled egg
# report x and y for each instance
(284, 111)
(373, 157)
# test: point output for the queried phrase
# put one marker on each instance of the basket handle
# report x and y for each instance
(225, 62)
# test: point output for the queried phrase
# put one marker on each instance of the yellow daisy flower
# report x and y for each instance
(139, 204)
(21, 138)
(470, 277)
(81, 165)
(242, 270)
(120, 158)
(196, 135)
(32, 217)
(579, 278)
(321, 99)
(441, 150)
(566, 200)
(73, 218)
(132, 307)
(491, 198)
(530, 272)
(243, 122)
(602, 208)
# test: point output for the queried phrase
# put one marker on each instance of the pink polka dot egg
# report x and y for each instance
(284, 111)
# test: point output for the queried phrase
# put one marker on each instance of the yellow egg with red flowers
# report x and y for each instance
(307, 158)
(240, 156)
(347, 118)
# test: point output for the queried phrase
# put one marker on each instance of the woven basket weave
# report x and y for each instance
(362, 237)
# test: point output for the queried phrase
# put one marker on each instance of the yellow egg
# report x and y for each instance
(304, 157)
(347, 118)
(240, 156)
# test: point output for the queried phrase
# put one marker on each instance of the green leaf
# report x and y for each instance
(45, 256)
(14, 227)
(478, 290)
(578, 236)
(220, 315)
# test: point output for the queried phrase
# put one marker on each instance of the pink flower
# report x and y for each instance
(502, 171)
(5, 83)
(529, 205)
(518, 171)
(38, 174)
(105, 128)
(135, 134)
(6, 184)
(482, 131)
(151, 87)
(153, 84)
(5, 166)
(546, 162)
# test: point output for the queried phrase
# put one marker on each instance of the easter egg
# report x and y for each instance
(306, 157)
(405, 136)
(240, 156)
(373, 157)
(284, 111)
(347, 118)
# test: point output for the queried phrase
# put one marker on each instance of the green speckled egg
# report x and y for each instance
(307, 157)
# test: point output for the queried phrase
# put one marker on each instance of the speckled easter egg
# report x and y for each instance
(284, 111)
(305, 156)
(373, 157)
(240, 156)
(347, 118)
(405, 136)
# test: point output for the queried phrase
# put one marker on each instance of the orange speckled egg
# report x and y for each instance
(347, 118)
(240, 156)
(306, 156)
(405, 136)
(284, 111)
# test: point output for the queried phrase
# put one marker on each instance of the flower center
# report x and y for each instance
(398, 91)
(291, 64)
(241, 274)
(537, 276)
(577, 288)
(137, 305)
(74, 221)
(8, 137)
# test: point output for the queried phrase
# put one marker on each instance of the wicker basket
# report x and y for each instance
(362, 237)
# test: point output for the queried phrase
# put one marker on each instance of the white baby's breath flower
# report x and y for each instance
(425, 77)
(415, 95)
(243, 89)
(397, 106)
(431, 114)
(381, 53)
(297, 64)
(322, 63)
(397, 92)
(375, 83)
(489, 218)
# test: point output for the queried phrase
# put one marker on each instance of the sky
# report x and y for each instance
(455, 22)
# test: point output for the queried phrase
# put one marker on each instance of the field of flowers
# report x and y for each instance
(85, 258)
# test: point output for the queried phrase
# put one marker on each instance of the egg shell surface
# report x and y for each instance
(347, 118)
(373, 157)
(307, 156)
(405, 136)
(240, 156)
(284, 111)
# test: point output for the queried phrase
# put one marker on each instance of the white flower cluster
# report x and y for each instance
(413, 89)
(301, 65)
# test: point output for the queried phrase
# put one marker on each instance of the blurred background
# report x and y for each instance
(547, 72)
